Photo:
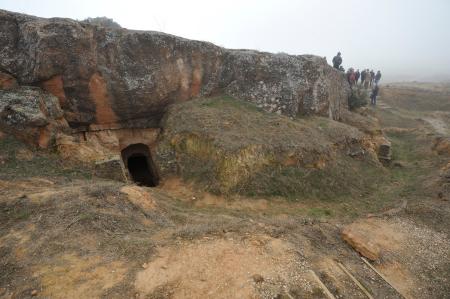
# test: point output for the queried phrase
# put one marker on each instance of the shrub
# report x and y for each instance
(358, 98)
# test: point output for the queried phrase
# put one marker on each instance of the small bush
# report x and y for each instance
(358, 98)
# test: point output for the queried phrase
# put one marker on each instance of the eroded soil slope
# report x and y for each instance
(66, 234)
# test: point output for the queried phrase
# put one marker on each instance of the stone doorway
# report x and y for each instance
(141, 167)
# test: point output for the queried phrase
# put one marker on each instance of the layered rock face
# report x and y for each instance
(116, 78)
(31, 114)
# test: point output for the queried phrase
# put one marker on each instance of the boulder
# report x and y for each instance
(384, 151)
(7, 81)
(361, 242)
(31, 114)
(103, 75)
(375, 238)
(442, 145)
(376, 140)
(139, 197)
(112, 168)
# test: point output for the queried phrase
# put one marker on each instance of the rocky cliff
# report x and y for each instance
(117, 78)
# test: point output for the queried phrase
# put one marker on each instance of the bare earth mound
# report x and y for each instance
(228, 146)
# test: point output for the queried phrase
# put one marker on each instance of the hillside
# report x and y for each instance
(228, 146)
(138, 164)
(66, 234)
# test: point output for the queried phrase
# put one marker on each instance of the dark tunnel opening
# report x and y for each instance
(138, 160)
(138, 168)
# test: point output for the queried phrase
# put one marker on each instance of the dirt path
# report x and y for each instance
(382, 105)
(439, 125)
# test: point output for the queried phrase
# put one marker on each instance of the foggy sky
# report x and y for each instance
(405, 39)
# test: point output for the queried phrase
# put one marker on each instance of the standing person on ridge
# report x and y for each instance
(368, 79)
(377, 77)
(363, 77)
(337, 60)
(352, 77)
(348, 74)
(372, 77)
(357, 75)
(373, 95)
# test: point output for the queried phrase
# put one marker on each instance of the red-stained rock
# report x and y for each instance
(99, 95)
(55, 86)
(7, 81)
(107, 75)
(31, 115)
(442, 145)
(361, 242)
(374, 238)
(139, 197)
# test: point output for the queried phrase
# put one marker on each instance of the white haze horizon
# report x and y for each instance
(406, 40)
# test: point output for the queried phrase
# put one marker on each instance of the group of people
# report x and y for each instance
(368, 77)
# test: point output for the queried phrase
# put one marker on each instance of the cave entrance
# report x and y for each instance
(138, 160)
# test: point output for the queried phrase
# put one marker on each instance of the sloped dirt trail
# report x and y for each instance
(441, 126)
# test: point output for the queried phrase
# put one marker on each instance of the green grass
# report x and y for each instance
(332, 183)
(402, 183)
(43, 163)
(317, 212)
(225, 101)
(417, 99)
(359, 191)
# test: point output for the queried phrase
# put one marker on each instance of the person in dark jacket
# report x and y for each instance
(372, 77)
(337, 60)
(357, 75)
(377, 77)
(368, 79)
(363, 77)
(374, 94)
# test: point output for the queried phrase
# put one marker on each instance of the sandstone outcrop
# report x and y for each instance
(117, 77)
(31, 114)
(96, 91)
(370, 125)
(442, 145)
(373, 238)
(444, 182)
(7, 81)
(139, 197)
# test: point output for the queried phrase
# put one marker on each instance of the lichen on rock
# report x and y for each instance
(31, 114)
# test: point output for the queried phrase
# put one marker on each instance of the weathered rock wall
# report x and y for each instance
(31, 114)
(116, 77)
(285, 84)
